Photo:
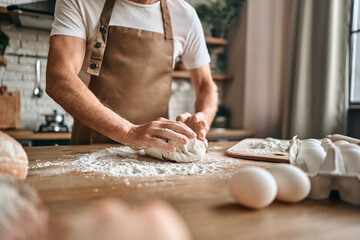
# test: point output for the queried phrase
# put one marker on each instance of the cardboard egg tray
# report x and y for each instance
(331, 175)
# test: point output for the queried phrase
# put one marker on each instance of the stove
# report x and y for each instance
(53, 127)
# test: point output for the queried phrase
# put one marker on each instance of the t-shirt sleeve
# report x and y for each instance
(68, 19)
(195, 51)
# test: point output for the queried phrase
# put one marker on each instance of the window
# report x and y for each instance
(355, 55)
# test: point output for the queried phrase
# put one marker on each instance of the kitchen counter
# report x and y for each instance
(203, 201)
(30, 138)
(31, 135)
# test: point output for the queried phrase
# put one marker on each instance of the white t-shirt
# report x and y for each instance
(79, 18)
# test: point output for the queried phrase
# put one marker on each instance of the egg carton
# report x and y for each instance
(332, 174)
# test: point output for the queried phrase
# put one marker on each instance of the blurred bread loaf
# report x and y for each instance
(13, 159)
(23, 216)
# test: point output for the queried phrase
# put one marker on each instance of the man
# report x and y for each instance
(124, 51)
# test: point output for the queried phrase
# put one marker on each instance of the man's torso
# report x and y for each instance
(188, 36)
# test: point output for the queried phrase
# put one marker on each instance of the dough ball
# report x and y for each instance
(193, 151)
(13, 159)
(293, 184)
(253, 187)
(22, 214)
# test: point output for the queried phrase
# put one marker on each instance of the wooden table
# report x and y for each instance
(203, 201)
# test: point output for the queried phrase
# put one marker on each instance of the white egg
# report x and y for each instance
(304, 148)
(312, 158)
(348, 146)
(341, 143)
(308, 143)
(253, 187)
(293, 184)
(311, 140)
(351, 158)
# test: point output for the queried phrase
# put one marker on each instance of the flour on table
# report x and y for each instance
(269, 145)
(215, 148)
(125, 162)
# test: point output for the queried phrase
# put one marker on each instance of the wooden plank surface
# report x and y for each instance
(203, 201)
(241, 150)
(30, 135)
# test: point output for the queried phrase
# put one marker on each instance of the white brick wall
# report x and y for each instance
(182, 98)
(20, 75)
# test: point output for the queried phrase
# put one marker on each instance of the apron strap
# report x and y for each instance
(98, 49)
(166, 20)
(101, 39)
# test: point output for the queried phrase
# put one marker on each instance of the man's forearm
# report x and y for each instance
(65, 59)
(73, 95)
(206, 92)
(206, 101)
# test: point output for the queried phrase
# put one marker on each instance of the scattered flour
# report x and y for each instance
(269, 145)
(215, 148)
(125, 162)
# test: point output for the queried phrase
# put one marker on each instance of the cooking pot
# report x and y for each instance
(54, 118)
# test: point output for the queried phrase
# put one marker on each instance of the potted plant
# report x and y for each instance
(219, 14)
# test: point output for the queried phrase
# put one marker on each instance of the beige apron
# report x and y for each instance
(136, 73)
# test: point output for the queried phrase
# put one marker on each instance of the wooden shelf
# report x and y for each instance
(4, 13)
(216, 41)
(216, 77)
(3, 10)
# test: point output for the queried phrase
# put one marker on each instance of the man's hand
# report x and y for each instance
(197, 123)
(155, 134)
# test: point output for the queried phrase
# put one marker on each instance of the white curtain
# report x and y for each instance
(317, 99)
(294, 80)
